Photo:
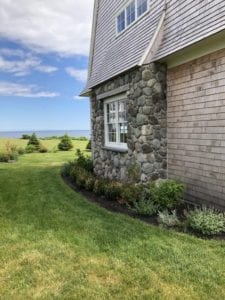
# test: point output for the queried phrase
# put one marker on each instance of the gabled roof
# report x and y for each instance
(185, 23)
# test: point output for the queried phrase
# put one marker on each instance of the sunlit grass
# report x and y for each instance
(54, 244)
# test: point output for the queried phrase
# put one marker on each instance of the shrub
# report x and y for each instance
(88, 147)
(132, 193)
(4, 157)
(168, 219)
(21, 151)
(30, 149)
(83, 161)
(99, 187)
(145, 207)
(33, 141)
(167, 194)
(90, 183)
(43, 149)
(66, 169)
(134, 172)
(112, 190)
(65, 143)
(80, 177)
(206, 221)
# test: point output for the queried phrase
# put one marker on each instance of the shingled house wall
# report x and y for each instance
(196, 127)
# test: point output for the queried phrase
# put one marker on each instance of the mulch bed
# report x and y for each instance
(122, 208)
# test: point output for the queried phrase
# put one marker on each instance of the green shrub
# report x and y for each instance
(66, 169)
(168, 219)
(81, 177)
(112, 190)
(43, 149)
(65, 143)
(33, 141)
(145, 207)
(4, 157)
(83, 161)
(88, 147)
(167, 194)
(99, 187)
(30, 149)
(132, 193)
(90, 183)
(21, 151)
(206, 221)
(134, 172)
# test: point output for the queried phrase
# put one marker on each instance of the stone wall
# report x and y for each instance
(146, 158)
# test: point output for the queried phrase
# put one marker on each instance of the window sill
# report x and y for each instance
(115, 149)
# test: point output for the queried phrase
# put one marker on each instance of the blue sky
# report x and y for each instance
(44, 49)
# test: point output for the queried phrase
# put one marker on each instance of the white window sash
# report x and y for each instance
(124, 8)
(118, 143)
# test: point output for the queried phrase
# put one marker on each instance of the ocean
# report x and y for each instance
(45, 133)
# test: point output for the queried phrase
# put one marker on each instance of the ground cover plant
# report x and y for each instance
(57, 245)
(160, 199)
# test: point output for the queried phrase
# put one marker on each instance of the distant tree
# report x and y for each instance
(65, 143)
(25, 137)
(33, 140)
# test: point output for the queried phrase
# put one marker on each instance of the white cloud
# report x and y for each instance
(57, 26)
(78, 74)
(19, 90)
(79, 98)
(24, 63)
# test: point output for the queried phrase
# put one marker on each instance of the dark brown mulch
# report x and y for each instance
(122, 208)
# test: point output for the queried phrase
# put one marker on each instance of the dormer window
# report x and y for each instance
(134, 10)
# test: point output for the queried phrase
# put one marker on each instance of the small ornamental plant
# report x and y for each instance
(65, 144)
(34, 142)
(168, 219)
(206, 221)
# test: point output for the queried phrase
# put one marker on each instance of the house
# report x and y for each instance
(157, 88)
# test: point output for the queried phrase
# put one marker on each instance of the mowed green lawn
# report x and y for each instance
(54, 244)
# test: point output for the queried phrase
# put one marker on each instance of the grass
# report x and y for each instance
(54, 244)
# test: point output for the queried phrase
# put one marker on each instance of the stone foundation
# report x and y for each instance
(146, 158)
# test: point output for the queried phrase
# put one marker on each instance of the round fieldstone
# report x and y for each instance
(156, 144)
(146, 75)
(146, 148)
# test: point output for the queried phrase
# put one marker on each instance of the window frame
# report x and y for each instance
(107, 143)
(124, 8)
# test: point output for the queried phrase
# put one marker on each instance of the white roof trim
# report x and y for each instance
(155, 41)
(93, 34)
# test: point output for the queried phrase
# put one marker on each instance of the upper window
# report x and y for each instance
(115, 111)
(131, 12)
(142, 7)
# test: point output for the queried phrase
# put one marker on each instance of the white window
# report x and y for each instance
(133, 10)
(130, 13)
(121, 21)
(142, 7)
(115, 114)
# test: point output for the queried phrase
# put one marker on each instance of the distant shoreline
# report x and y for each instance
(45, 133)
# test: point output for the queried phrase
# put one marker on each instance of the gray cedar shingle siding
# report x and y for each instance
(116, 54)
(186, 22)
(196, 127)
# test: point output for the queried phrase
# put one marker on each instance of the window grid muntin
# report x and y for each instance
(142, 4)
(119, 103)
(130, 13)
